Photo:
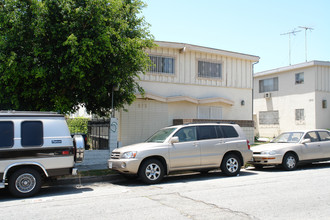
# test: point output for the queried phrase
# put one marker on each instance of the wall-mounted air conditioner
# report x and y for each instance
(267, 95)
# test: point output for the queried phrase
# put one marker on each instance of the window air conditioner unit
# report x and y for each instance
(267, 95)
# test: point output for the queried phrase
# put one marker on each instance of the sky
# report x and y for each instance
(252, 27)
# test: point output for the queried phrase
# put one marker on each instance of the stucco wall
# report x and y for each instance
(235, 111)
(322, 115)
(291, 96)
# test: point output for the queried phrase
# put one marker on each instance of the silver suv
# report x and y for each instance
(200, 147)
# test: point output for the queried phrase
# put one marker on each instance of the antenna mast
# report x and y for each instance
(293, 32)
(306, 28)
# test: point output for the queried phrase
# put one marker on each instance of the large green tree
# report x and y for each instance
(58, 54)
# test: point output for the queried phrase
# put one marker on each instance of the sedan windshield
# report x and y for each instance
(161, 135)
(288, 137)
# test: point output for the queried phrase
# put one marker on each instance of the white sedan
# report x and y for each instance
(291, 148)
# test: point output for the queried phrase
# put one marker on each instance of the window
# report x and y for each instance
(206, 132)
(324, 135)
(299, 78)
(209, 70)
(6, 134)
(312, 135)
(209, 112)
(186, 134)
(229, 131)
(269, 118)
(32, 133)
(268, 85)
(300, 115)
(162, 64)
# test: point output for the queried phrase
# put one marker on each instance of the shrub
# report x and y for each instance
(78, 125)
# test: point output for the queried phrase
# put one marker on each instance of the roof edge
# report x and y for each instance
(193, 47)
(293, 67)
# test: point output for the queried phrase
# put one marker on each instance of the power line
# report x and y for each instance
(306, 28)
(293, 32)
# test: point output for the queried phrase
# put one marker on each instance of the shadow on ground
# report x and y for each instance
(184, 178)
(47, 191)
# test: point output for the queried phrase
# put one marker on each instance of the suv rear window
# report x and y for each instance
(6, 134)
(32, 133)
(229, 131)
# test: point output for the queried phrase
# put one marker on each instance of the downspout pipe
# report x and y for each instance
(253, 92)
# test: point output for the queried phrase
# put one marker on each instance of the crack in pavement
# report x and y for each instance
(198, 209)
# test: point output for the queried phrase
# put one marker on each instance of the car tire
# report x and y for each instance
(290, 162)
(151, 171)
(231, 165)
(24, 182)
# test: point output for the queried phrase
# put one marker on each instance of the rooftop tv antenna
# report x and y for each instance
(293, 32)
(306, 28)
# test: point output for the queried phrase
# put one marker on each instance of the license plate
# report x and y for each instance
(110, 165)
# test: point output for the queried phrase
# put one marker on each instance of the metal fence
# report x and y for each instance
(98, 134)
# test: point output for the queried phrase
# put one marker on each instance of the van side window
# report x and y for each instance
(206, 132)
(229, 131)
(32, 133)
(6, 134)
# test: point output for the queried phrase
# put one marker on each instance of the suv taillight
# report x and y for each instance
(248, 144)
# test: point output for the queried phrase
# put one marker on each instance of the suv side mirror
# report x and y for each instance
(308, 140)
(174, 140)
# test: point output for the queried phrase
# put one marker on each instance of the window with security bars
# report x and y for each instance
(269, 118)
(209, 70)
(300, 114)
(209, 112)
(162, 64)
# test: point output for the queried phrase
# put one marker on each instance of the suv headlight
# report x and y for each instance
(129, 155)
(268, 152)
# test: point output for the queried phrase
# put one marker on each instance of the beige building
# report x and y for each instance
(190, 83)
(292, 98)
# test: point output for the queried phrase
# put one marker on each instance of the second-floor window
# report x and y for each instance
(209, 70)
(299, 78)
(268, 85)
(162, 64)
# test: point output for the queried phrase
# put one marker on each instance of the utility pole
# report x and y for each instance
(306, 28)
(293, 32)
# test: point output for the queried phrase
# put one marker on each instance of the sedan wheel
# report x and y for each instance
(289, 162)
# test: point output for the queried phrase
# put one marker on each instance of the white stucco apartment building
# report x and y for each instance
(190, 83)
(292, 98)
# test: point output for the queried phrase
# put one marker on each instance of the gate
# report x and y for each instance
(98, 133)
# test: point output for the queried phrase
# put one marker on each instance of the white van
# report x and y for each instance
(35, 146)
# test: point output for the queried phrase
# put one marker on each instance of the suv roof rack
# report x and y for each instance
(27, 113)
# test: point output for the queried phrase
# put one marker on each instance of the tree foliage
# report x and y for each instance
(58, 54)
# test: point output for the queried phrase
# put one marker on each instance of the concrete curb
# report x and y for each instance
(87, 179)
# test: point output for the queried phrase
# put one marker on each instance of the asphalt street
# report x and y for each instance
(255, 194)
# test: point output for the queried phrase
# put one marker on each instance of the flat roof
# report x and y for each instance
(292, 67)
(191, 47)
